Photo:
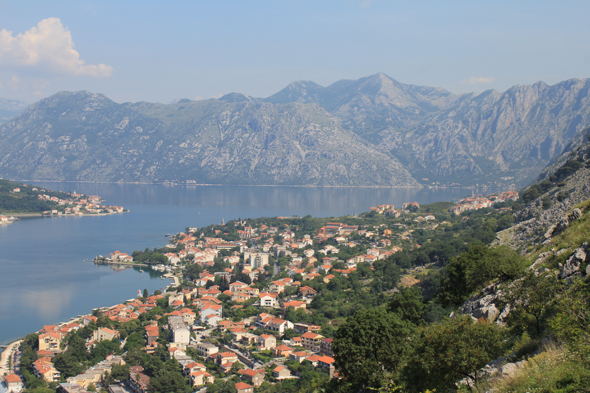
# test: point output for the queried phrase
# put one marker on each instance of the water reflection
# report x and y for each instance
(312, 200)
(47, 304)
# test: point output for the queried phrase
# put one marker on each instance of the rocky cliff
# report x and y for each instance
(84, 136)
(374, 131)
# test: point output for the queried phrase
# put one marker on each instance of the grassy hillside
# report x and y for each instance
(26, 200)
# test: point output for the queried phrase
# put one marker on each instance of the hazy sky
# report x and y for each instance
(164, 50)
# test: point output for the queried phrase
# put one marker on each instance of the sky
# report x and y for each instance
(160, 51)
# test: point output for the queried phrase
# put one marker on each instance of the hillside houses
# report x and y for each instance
(75, 204)
(247, 288)
(480, 202)
(268, 294)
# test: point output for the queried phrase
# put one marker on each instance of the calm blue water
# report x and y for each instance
(43, 277)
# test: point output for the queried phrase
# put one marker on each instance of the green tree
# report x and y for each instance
(289, 333)
(370, 348)
(236, 366)
(571, 324)
(77, 347)
(532, 300)
(474, 268)
(409, 305)
(452, 350)
(223, 386)
(67, 364)
(120, 372)
(166, 381)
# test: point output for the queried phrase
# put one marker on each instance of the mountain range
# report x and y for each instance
(374, 131)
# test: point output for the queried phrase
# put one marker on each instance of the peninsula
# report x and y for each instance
(25, 200)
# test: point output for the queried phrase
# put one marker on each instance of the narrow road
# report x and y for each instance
(7, 353)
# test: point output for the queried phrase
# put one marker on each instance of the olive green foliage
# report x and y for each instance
(551, 371)
(344, 295)
(409, 305)
(532, 303)
(370, 348)
(475, 268)
(224, 385)
(571, 324)
(192, 271)
(27, 200)
(565, 366)
(454, 349)
(555, 180)
(169, 380)
(29, 347)
(75, 359)
(120, 372)
(568, 169)
(40, 390)
(150, 257)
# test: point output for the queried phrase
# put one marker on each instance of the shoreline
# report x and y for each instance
(6, 353)
(173, 184)
(37, 215)
(121, 263)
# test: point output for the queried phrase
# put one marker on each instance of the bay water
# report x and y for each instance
(46, 276)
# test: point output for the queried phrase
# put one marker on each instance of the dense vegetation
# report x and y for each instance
(25, 201)
(396, 348)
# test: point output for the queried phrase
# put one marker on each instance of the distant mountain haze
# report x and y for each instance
(374, 131)
(10, 108)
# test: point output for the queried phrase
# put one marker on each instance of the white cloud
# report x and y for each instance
(483, 80)
(49, 45)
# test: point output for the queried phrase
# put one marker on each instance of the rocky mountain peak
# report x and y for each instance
(298, 91)
(82, 98)
(237, 97)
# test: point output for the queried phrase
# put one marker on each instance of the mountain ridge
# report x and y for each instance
(373, 131)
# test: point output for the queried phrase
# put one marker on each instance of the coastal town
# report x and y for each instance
(78, 204)
(254, 303)
(25, 200)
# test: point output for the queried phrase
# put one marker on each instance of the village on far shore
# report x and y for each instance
(248, 301)
(60, 203)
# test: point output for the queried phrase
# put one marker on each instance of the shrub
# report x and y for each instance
(475, 268)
